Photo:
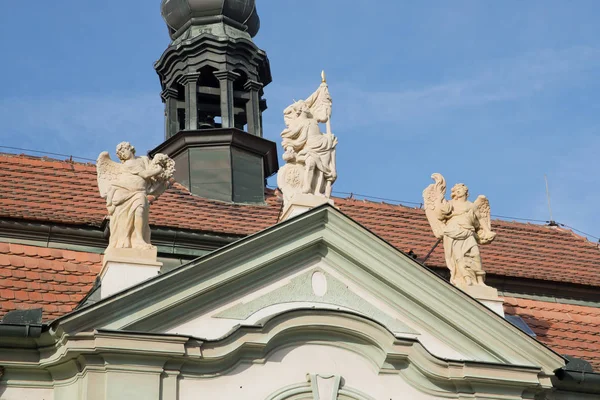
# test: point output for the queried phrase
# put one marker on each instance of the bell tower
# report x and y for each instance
(212, 77)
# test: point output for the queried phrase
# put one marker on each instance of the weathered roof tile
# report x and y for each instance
(567, 329)
(70, 196)
(32, 281)
(65, 193)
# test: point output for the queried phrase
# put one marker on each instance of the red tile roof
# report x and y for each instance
(520, 250)
(567, 329)
(55, 280)
(62, 192)
(44, 190)
(65, 192)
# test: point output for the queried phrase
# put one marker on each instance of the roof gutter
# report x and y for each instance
(576, 381)
(181, 242)
(20, 331)
(22, 324)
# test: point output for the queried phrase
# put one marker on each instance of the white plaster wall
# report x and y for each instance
(131, 385)
(111, 385)
(120, 276)
(433, 344)
(289, 366)
(70, 391)
(26, 394)
(208, 327)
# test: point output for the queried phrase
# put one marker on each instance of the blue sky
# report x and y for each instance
(492, 94)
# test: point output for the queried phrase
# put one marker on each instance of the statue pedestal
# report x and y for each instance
(300, 203)
(487, 295)
(124, 268)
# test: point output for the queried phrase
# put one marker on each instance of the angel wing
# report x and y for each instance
(108, 172)
(484, 231)
(434, 196)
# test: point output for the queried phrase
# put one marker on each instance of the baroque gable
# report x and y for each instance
(317, 294)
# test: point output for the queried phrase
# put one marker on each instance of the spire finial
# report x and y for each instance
(323, 78)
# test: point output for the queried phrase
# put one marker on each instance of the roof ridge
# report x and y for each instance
(45, 158)
(420, 210)
(570, 230)
(342, 202)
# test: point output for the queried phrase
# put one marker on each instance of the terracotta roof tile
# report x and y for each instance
(567, 329)
(36, 278)
(63, 192)
(70, 196)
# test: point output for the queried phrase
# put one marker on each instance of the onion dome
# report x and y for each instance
(178, 13)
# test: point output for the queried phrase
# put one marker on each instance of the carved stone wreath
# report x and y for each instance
(290, 179)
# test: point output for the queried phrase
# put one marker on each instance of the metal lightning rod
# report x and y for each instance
(552, 222)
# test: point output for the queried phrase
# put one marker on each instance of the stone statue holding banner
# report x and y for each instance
(126, 187)
(309, 154)
(462, 225)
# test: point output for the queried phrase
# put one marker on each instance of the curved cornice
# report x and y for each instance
(363, 336)
(210, 50)
(254, 345)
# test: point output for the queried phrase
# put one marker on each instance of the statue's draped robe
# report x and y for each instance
(460, 247)
(130, 191)
(305, 137)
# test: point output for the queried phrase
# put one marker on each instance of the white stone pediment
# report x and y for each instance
(315, 286)
(321, 261)
(312, 288)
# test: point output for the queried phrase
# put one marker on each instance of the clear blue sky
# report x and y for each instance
(494, 94)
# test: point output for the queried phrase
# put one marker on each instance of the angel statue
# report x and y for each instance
(309, 153)
(126, 187)
(462, 225)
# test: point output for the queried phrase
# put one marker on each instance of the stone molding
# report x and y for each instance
(226, 75)
(131, 256)
(466, 325)
(208, 50)
(299, 203)
(189, 78)
(169, 93)
(124, 268)
(253, 85)
(164, 357)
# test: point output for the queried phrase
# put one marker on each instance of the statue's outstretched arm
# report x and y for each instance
(150, 172)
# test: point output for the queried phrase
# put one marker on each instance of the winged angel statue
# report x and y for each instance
(309, 154)
(126, 187)
(462, 225)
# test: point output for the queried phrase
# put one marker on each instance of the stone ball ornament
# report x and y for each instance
(177, 13)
